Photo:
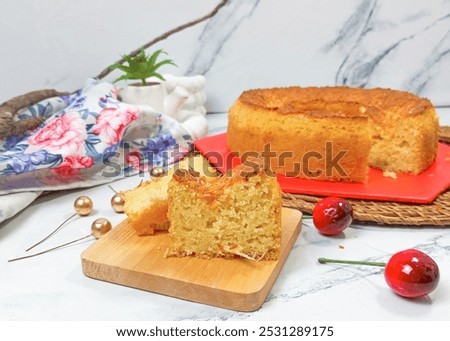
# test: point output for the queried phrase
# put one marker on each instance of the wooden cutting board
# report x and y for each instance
(124, 258)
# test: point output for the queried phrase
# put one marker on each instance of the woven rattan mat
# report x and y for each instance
(444, 134)
(384, 212)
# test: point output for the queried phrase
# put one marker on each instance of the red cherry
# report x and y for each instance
(332, 215)
(411, 273)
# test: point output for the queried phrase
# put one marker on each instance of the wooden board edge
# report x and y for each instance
(244, 302)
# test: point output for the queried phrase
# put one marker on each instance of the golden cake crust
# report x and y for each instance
(378, 99)
(388, 129)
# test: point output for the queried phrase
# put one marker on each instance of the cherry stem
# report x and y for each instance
(354, 262)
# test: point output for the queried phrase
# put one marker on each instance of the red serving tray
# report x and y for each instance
(422, 188)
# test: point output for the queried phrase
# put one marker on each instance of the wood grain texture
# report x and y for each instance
(124, 258)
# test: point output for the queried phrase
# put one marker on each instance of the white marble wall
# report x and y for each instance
(402, 44)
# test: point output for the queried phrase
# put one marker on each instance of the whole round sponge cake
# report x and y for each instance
(334, 133)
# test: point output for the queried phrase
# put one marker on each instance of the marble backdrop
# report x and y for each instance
(403, 44)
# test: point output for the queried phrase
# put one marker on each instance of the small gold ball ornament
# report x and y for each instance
(157, 172)
(117, 203)
(100, 227)
(83, 205)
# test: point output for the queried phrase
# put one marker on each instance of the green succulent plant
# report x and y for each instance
(142, 66)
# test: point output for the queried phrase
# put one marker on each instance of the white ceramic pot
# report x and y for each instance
(181, 98)
(152, 94)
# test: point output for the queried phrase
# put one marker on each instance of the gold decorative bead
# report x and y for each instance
(117, 203)
(100, 227)
(157, 172)
(83, 205)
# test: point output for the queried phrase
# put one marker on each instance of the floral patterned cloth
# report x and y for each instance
(87, 138)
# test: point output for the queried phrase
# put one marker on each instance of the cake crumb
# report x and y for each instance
(390, 174)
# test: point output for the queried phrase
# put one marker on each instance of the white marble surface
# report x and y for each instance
(53, 287)
(401, 44)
